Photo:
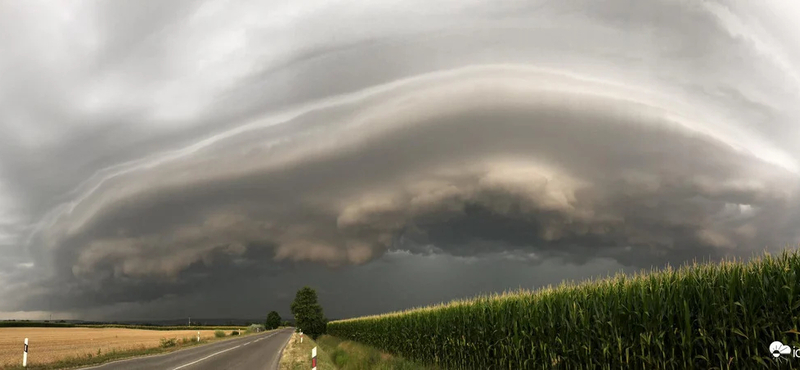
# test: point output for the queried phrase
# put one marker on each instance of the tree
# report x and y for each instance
(273, 320)
(308, 314)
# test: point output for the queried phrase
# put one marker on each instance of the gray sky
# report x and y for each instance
(164, 159)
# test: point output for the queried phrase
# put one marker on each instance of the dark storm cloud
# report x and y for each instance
(158, 156)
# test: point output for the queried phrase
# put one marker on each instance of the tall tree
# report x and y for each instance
(273, 320)
(308, 314)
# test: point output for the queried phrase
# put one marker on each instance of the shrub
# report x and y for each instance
(702, 316)
(339, 357)
(219, 333)
(234, 333)
(255, 328)
(171, 342)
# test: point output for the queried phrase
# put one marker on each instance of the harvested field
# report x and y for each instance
(47, 345)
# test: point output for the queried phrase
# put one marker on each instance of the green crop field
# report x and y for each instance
(705, 316)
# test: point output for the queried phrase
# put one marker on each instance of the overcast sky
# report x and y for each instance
(160, 159)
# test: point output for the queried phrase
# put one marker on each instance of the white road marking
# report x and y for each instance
(206, 358)
(223, 351)
(134, 359)
(276, 361)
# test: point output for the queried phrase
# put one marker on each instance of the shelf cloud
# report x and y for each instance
(157, 156)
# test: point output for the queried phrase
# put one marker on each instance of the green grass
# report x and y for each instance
(349, 355)
(704, 316)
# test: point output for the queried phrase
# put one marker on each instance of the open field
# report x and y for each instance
(48, 345)
(41, 324)
(707, 316)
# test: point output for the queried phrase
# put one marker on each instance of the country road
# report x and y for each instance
(256, 352)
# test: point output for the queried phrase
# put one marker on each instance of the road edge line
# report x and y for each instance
(139, 357)
(207, 357)
(277, 362)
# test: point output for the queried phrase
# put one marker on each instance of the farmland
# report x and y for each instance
(52, 344)
(701, 316)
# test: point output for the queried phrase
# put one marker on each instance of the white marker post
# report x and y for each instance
(25, 354)
(314, 358)
(198, 336)
(301, 337)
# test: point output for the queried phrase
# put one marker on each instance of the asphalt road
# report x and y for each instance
(256, 352)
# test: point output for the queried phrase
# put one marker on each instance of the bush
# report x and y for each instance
(234, 333)
(702, 316)
(219, 333)
(171, 342)
(339, 357)
(255, 328)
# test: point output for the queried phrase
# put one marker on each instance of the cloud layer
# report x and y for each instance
(150, 152)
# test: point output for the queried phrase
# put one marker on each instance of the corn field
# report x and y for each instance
(702, 316)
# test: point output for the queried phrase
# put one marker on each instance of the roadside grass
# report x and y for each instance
(349, 355)
(167, 345)
(297, 356)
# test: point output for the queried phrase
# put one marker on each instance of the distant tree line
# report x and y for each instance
(34, 324)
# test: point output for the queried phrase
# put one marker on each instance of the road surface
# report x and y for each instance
(256, 352)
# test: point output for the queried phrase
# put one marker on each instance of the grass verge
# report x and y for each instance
(167, 345)
(297, 356)
(349, 355)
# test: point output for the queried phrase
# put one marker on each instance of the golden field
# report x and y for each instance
(46, 345)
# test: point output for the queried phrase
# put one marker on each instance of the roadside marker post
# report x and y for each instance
(301, 337)
(198, 336)
(314, 358)
(25, 354)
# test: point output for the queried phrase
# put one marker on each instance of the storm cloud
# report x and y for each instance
(158, 156)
